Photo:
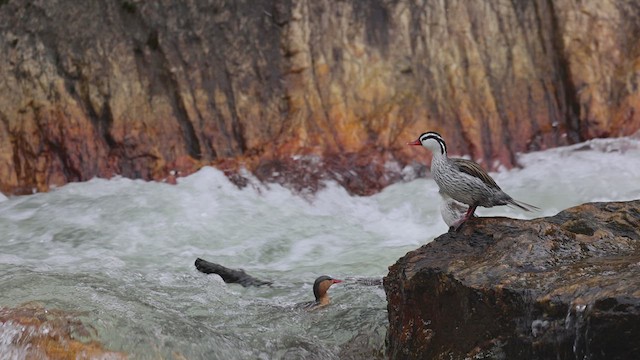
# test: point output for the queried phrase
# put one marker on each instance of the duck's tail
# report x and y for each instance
(522, 205)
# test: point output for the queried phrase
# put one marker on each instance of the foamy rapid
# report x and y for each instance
(120, 252)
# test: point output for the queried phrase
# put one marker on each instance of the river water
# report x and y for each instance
(119, 253)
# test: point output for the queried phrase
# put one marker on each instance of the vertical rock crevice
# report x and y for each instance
(157, 67)
(317, 58)
(566, 93)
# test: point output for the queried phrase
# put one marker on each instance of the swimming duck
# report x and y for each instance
(320, 288)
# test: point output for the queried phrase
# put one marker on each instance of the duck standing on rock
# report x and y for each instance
(464, 180)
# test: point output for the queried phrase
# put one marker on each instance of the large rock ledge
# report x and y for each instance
(561, 287)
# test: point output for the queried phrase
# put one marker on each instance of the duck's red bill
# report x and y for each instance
(335, 281)
(417, 142)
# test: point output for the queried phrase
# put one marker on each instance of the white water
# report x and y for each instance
(119, 253)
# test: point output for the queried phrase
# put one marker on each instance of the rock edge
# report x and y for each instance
(561, 287)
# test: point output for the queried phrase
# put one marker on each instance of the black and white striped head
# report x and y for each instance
(432, 141)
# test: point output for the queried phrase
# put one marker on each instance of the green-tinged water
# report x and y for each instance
(119, 254)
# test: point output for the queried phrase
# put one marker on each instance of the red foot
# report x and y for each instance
(458, 224)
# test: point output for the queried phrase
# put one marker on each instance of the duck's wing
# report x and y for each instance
(309, 305)
(474, 169)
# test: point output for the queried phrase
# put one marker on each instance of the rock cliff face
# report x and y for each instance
(562, 287)
(301, 90)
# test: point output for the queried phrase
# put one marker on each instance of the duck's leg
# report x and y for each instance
(458, 224)
(470, 212)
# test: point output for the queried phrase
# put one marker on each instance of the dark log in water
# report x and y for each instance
(228, 275)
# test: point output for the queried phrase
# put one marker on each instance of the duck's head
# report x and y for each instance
(432, 141)
(322, 284)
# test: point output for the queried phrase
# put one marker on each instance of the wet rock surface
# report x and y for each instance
(31, 331)
(561, 287)
(143, 89)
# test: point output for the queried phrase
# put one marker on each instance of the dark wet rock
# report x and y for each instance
(228, 275)
(367, 344)
(561, 287)
(363, 173)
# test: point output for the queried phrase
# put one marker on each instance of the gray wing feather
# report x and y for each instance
(473, 169)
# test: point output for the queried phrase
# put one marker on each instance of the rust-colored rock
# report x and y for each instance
(562, 287)
(143, 88)
(35, 332)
